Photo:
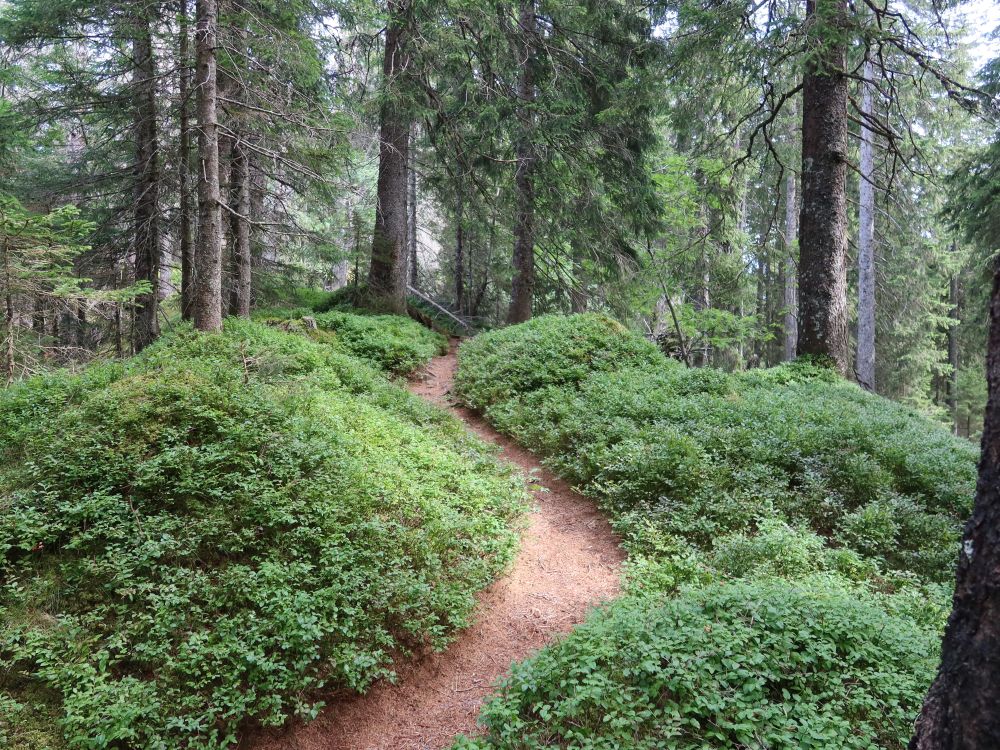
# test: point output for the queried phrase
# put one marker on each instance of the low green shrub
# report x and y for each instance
(703, 454)
(791, 541)
(393, 343)
(217, 530)
(552, 350)
(771, 664)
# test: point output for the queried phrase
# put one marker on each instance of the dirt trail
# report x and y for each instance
(569, 561)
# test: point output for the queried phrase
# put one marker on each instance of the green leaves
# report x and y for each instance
(224, 526)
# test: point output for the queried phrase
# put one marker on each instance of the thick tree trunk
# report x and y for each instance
(865, 365)
(790, 295)
(146, 221)
(184, 167)
(523, 287)
(241, 276)
(459, 249)
(207, 299)
(823, 218)
(387, 273)
(960, 711)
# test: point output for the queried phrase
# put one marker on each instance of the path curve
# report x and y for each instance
(569, 561)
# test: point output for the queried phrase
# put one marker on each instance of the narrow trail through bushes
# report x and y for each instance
(569, 561)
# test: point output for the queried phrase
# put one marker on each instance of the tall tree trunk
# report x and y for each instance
(953, 313)
(790, 296)
(242, 278)
(523, 287)
(865, 366)
(387, 273)
(146, 222)
(413, 264)
(459, 249)
(207, 300)
(823, 218)
(8, 314)
(960, 710)
(184, 167)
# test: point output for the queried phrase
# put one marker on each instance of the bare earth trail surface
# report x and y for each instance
(569, 561)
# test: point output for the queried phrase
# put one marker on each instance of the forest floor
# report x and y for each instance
(569, 562)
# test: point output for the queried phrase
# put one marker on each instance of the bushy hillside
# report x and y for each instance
(210, 533)
(836, 504)
(391, 342)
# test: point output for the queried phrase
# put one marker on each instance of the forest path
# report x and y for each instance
(569, 562)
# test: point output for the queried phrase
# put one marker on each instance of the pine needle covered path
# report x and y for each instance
(569, 562)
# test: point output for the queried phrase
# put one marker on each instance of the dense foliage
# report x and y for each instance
(393, 343)
(213, 531)
(850, 503)
(724, 666)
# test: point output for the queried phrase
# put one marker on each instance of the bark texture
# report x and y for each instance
(961, 709)
(864, 367)
(790, 293)
(523, 287)
(387, 274)
(146, 214)
(953, 313)
(207, 299)
(184, 166)
(823, 217)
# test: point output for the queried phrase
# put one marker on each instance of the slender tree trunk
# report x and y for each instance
(412, 226)
(8, 315)
(242, 279)
(207, 299)
(953, 313)
(459, 249)
(387, 273)
(790, 296)
(523, 287)
(578, 287)
(823, 218)
(146, 223)
(38, 316)
(184, 167)
(960, 711)
(865, 366)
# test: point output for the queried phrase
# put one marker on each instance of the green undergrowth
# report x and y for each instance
(221, 530)
(787, 487)
(393, 343)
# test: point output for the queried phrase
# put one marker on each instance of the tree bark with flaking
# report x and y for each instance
(184, 165)
(960, 710)
(523, 287)
(387, 273)
(865, 365)
(207, 299)
(146, 211)
(823, 217)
